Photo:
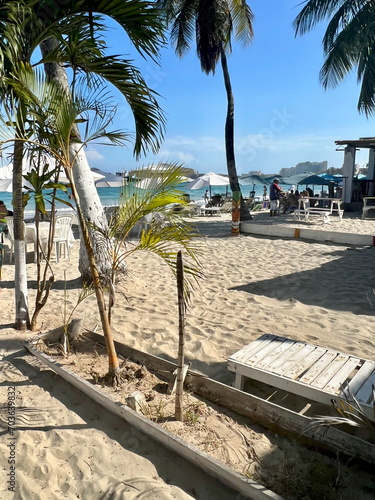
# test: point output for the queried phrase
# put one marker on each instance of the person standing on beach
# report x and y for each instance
(275, 191)
(206, 196)
(264, 192)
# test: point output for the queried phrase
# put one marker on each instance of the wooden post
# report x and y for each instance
(181, 331)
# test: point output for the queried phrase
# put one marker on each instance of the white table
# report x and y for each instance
(326, 207)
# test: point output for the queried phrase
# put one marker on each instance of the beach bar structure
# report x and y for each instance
(348, 170)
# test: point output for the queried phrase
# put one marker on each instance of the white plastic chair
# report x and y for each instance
(144, 223)
(63, 235)
(10, 224)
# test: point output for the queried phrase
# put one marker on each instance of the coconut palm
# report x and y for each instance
(348, 43)
(50, 107)
(23, 26)
(212, 23)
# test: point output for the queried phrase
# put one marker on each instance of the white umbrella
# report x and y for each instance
(148, 182)
(107, 179)
(6, 175)
(6, 186)
(208, 180)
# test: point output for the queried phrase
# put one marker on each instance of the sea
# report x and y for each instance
(110, 196)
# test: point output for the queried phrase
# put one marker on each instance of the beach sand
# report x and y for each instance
(318, 293)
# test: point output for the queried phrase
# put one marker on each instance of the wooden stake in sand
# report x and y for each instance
(181, 331)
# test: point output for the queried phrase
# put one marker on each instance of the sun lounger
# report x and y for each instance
(306, 370)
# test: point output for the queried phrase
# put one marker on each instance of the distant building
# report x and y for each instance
(255, 172)
(315, 167)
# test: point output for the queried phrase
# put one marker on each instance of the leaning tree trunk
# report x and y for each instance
(239, 210)
(22, 321)
(88, 196)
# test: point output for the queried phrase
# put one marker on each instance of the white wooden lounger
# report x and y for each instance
(306, 370)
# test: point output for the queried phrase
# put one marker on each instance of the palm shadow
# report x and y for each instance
(316, 287)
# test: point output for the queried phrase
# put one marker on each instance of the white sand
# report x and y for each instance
(315, 292)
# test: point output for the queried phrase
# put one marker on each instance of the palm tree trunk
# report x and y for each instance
(113, 364)
(240, 210)
(88, 196)
(22, 321)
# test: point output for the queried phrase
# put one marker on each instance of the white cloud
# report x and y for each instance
(94, 155)
(176, 155)
(271, 142)
(197, 144)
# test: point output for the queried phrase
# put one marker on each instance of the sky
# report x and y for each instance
(283, 115)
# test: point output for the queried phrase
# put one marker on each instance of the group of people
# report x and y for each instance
(289, 200)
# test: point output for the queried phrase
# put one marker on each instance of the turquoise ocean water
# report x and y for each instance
(110, 196)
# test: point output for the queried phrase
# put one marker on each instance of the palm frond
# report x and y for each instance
(140, 19)
(350, 411)
(164, 239)
(242, 18)
(183, 27)
(149, 119)
(313, 13)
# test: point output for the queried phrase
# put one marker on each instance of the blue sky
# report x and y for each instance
(283, 115)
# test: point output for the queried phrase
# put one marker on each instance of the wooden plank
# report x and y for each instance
(280, 420)
(287, 353)
(359, 378)
(275, 354)
(330, 371)
(296, 359)
(234, 480)
(318, 367)
(254, 346)
(347, 369)
(265, 353)
(364, 395)
(306, 363)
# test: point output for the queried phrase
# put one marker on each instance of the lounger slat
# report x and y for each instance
(280, 348)
(300, 368)
(288, 352)
(336, 382)
(318, 367)
(295, 359)
(255, 346)
(266, 355)
(359, 378)
(330, 371)
(364, 395)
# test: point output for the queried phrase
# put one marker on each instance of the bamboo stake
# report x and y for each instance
(181, 331)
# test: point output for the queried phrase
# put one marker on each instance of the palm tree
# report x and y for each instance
(212, 22)
(348, 43)
(23, 26)
(49, 107)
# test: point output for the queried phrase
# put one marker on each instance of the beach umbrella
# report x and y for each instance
(208, 180)
(107, 179)
(329, 177)
(247, 180)
(6, 175)
(6, 186)
(270, 178)
(148, 182)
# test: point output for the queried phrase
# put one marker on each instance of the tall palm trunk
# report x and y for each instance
(88, 196)
(239, 210)
(22, 321)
